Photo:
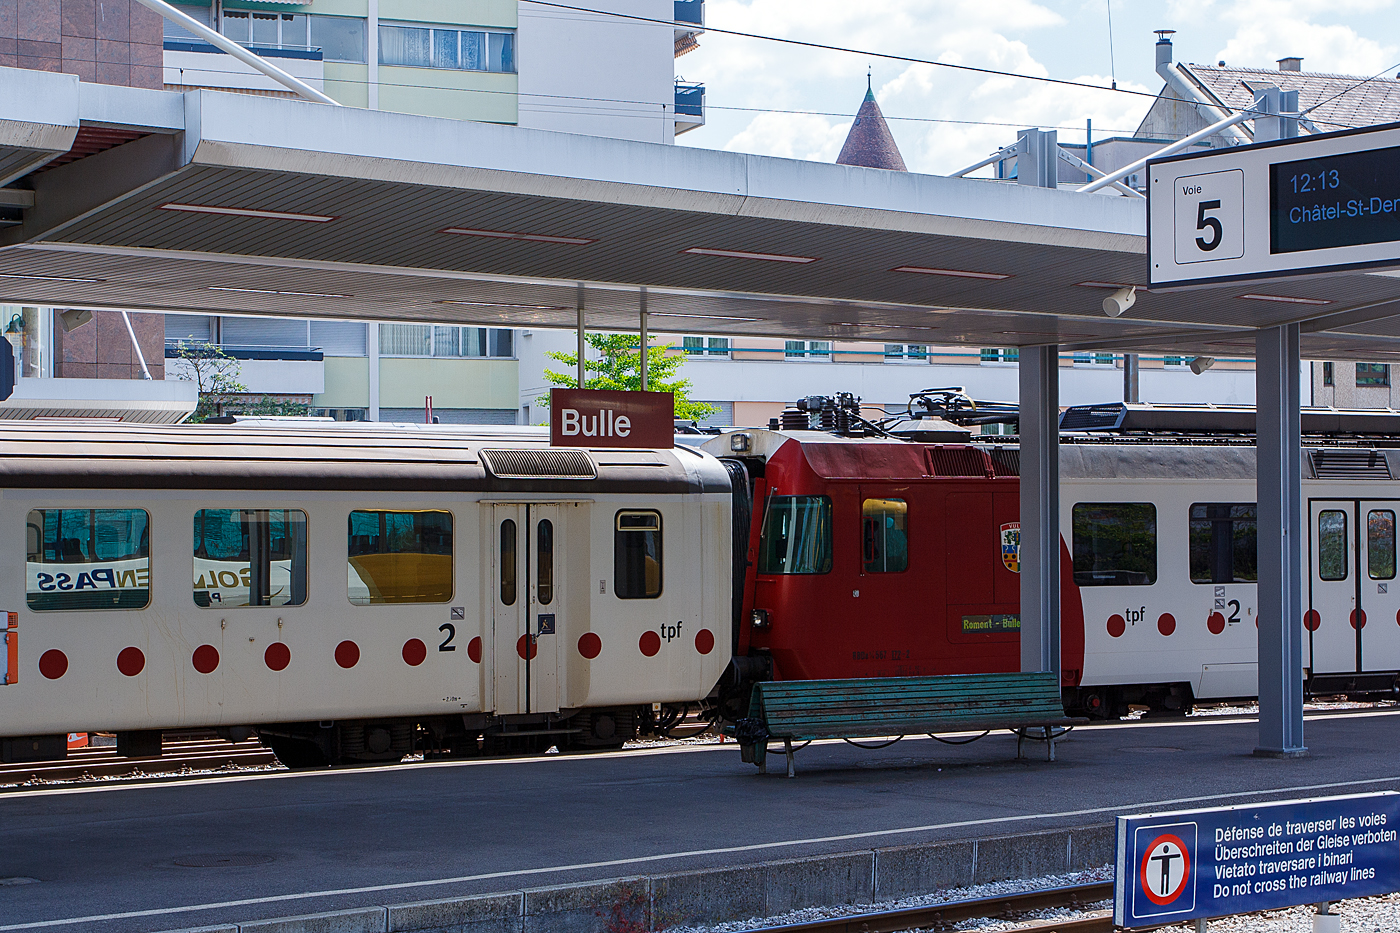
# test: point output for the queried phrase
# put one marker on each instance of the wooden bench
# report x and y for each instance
(801, 710)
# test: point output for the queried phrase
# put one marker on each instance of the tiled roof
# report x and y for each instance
(1374, 102)
(869, 143)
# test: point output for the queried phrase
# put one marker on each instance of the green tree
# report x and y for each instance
(618, 368)
(214, 373)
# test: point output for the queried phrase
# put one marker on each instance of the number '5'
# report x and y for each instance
(1208, 223)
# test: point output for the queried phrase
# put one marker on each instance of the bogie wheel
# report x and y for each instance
(296, 753)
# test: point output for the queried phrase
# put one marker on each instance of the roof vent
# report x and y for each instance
(1350, 464)
(1291, 63)
(529, 464)
(1006, 461)
(957, 461)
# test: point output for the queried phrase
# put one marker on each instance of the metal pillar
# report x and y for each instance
(582, 375)
(642, 368)
(1037, 158)
(1280, 495)
(1040, 508)
(1132, 391)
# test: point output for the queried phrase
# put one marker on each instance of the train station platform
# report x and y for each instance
(690, 831)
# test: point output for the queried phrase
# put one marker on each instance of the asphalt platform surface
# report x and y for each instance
(177, 854)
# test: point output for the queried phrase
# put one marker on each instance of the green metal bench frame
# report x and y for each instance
(801, 710)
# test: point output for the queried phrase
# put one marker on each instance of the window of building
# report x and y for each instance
(268, 30)
(1380, 544)
(447, 47)
(800, 349)
(1174, 361)
(201, 13)
(400, 557)
(340, 38)
(1115, 543)
(884, 535)
(705, 346)
(88, 559)
(637, 555)
(453, 342)
(796, 535)
(913, 352)
(1000, 354)
(1327, 374)
(1224, 542)
(249, 557)
(1332, 544)
(1372, 374)
(1089, 359)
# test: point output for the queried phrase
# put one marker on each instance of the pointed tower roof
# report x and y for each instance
(869, 142)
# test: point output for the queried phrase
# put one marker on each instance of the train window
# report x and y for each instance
(1332, 544)
(88, 559)
(249, 557)
(884, 535)
(796, 535)
(1224, 542)
(1380, 544)
(508, 562)
(544, 577)
(1115, 543)
(637, 555)
(400, 557)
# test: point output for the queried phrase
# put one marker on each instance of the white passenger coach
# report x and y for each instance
(354, 592)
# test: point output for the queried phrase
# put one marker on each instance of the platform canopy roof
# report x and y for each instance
(221, 203)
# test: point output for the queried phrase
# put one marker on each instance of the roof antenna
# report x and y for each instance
(1112, 68)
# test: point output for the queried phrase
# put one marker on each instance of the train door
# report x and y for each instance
(1334, 581)
(527, 599)
(1379, 589)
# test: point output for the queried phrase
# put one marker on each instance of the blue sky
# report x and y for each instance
(1055, 38)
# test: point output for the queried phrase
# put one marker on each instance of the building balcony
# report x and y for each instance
(196, 63)
(690, 107)
(690, 12)
(263, 370)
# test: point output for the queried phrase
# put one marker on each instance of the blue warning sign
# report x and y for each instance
(1232, 860)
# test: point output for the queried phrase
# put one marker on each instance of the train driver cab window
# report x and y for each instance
(249, 557)
(1332, 544)
(1380, 544)
(400, 557)
(1224, 542)
(1115, 543)
(88, 559)
(637, 555)
(796, 535)
(884, 535)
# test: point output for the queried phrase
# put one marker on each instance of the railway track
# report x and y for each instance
(944, 916)
(178, 755)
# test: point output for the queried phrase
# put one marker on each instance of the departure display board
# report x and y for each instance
(1340, 200)
(1322, 203)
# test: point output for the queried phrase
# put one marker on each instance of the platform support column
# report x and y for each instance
(1040, 508)
(1280, 496)
(645, 341)
(582, 344)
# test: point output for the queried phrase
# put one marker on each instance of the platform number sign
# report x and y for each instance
(1209, 217)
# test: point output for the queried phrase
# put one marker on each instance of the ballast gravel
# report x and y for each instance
(1362, 915)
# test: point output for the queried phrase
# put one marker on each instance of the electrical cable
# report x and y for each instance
(963, 742)
(873, 747)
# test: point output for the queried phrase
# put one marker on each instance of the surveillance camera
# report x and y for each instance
(1120, 301)
(73, 318)
(1200, 364)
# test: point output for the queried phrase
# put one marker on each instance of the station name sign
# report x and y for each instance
(1324, 203)
(593, 418)
(1180, 866)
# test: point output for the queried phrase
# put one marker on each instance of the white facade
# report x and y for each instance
(599, 75)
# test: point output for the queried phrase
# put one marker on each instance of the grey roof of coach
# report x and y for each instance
(312, 457)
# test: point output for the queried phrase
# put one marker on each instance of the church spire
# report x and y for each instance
(870, 143)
